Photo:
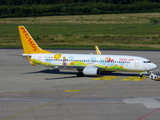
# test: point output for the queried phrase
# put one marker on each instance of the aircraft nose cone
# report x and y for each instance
(153, 66)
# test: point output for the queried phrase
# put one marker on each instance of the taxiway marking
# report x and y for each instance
(148, 103)
(71, 90)
(133, 79)
(105, 78)
(149, 114)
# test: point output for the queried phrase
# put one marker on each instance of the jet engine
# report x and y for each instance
(91, 71)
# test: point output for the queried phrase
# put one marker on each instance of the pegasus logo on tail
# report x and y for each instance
(29, 39)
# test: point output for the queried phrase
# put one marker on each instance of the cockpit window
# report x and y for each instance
(146, 61)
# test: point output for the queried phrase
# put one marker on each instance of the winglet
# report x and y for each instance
(28, 43)
(97, 50)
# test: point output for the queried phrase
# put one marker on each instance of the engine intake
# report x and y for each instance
(91, 71)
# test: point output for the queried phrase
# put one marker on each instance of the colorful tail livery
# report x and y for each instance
(29, 45)
(97, 50)
(85, 64)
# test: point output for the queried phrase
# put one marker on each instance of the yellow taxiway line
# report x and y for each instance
(105, 78)
(134, 79)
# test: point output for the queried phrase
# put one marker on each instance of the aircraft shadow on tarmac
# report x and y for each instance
(105, 73)
(54, 71)
(51, 71)
(73, 74)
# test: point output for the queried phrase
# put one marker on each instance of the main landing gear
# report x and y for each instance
(80, 74)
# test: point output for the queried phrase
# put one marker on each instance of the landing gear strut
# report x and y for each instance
(80, 74)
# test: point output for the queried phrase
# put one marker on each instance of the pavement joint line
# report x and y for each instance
(59, 99)
(25, 93)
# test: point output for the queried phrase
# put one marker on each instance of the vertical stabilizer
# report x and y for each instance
(28, 43)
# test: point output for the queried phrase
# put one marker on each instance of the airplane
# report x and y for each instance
(85, 64)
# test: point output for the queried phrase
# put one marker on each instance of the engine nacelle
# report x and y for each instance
(91, 71)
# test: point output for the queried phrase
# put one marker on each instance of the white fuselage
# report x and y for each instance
(103, 62)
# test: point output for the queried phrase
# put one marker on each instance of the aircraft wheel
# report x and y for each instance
(80, 74)
(151, 77)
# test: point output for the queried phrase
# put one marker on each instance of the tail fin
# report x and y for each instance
(28, 43)
(97, 50)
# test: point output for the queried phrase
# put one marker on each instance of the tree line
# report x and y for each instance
(31, 2)
(80, 8)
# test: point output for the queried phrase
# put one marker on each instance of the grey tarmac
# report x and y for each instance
(40, 93)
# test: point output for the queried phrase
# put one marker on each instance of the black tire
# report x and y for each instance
(80, 74)
(151, 77)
